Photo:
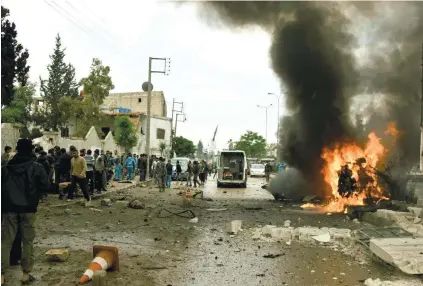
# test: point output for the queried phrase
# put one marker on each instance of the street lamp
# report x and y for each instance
(265, 107)
(278, 97)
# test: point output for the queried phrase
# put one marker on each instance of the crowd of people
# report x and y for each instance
(29, 173)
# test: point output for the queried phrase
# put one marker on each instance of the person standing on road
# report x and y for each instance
(23, 182)
(267, 171)
(130, 166)
(195, 171)
(65, 164)
(169, 169)
(189, 174)
(89, 159)
(142, 166)
(99, 169)
(79, 176)
(161, 174)
(178, 172)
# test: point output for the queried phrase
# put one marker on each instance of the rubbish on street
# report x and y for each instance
(322, 238)
(217, 210)
(234, 226)
(57, 255)
(287, 223)
(273, 255)
(105, 257)
(192, 214)
(136, 204)
(194, 220)
(106, 202)
(96, 210)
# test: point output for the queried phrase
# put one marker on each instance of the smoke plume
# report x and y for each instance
(312, 52)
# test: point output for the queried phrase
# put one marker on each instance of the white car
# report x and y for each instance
(257, 170)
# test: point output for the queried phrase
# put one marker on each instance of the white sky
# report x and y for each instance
(220, 75)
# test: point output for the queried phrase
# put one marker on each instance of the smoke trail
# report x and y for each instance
(311, 54)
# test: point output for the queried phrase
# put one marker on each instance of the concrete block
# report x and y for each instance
(404, 253)
(99, 278)
(340, 233)
(234, 226)
(306, 233)
(267, 230)
(106, 202)
(374, 219)
(415, 211)
(57, 255)
(121, 204)
(282, 233)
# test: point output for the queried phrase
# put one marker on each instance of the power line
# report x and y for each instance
(72, 17)
(89, 19)
(70, 20)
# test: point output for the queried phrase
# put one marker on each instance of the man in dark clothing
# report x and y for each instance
(90, 170)
(142, 166)
(65, 165)
(267, 171)
(23, 182)
(178, 171)
(57, 155)
(189, 174)
(196, 171)
(42, 160)
(169, 170)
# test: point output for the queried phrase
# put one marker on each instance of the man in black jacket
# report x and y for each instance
(23, 182)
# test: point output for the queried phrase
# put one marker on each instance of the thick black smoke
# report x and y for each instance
(312, 53)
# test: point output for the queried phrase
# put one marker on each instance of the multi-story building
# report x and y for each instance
(137, 102)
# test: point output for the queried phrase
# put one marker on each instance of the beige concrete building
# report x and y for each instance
(137, 102)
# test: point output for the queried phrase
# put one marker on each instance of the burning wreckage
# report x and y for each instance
(353, 176)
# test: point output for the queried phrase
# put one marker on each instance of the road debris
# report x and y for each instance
(217, 210)
(273, 255)
(57, 255)
(234, 226)
(194, 220)
(136, 204)
(322, 238)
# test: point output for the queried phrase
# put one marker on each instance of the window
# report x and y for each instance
(139, 100)
(160, 134)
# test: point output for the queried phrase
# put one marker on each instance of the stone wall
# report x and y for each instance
(9, 135)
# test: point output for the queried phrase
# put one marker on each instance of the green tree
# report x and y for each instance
(125, 134)
(252, 144)
(183, 147)
(98, 84)
(60, 83)
(14, 67)
(200, 150)
(18, 110)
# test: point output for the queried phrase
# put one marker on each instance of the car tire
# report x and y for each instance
(243, 185)
(219, 185)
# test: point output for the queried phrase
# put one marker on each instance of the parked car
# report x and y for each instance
(257, 170)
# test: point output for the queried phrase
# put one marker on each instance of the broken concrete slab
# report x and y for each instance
(306, 233)
(415, 211)
(267, 230)
(404, 253)
(339, 233)
(57, 255)
(322, 238)
(376, 219)
(234, 226)
(282, 233)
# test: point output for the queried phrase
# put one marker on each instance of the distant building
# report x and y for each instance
(136, 102)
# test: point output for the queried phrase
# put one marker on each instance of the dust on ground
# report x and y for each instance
(158, 248)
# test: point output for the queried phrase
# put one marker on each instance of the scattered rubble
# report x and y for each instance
(194, 220)
(136, 204)
(273, 255)
(57, 255)
(378, 282)
(106, 202)
(234, 226)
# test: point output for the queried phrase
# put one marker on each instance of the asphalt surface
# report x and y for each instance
(159, 248)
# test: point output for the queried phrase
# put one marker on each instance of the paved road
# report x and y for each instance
(252, 192)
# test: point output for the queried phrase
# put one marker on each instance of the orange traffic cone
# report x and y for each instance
(105, 257)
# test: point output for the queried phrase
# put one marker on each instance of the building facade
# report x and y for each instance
(137, 102)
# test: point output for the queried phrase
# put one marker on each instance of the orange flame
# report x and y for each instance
(347, 154)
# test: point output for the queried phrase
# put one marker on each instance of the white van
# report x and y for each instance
(184, 166)
(232, 168)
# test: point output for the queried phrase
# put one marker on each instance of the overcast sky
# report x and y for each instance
(220, 75)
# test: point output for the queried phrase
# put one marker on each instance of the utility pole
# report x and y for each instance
(278, 97)
(421, 117)
(176, 123)
(180, 110)
(265, 107)
(164, 71)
